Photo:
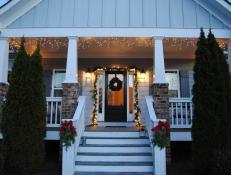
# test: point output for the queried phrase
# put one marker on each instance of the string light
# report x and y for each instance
(108, 42)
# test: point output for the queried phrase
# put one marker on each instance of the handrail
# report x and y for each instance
(68, 162)
(159, 156)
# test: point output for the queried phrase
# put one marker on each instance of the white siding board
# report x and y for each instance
(53, 14)
(216, 23)
(203, 18)
(81, 13)
(163, 13)
(149, 13)
(28, 19)
(176, 14)
(16, 23)
(108, 14)
(40, 19)
(67, 13)
(95, 13)
(122, 13)
(189, 12)
(119, 13)
(136, 16)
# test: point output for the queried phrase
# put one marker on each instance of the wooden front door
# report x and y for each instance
(115, 97)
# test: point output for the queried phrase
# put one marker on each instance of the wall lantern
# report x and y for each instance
(142, 74)
(88, 74)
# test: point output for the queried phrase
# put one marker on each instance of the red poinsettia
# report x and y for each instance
(67, 133)
(161, 124)
(160, 134)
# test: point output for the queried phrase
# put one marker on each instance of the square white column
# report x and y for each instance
(4, 58)
(72, 61)
(158, 61)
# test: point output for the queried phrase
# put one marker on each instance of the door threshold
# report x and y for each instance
(121, 124)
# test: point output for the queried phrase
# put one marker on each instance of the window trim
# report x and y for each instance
(178, 78)
(53, 80)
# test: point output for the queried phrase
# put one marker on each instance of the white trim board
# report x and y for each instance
(181, 136)
(110, 32)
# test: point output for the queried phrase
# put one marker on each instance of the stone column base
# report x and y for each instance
(3, 91)
(69, 101)
(159, 92)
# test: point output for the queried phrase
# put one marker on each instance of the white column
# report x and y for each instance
(229, 54)
(4, 54)
(72, 61)
(158, 61)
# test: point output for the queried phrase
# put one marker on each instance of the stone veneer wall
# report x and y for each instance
(69, 101)
(161, 106)
(3, 91)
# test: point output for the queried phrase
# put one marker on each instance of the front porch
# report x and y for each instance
(163, 60)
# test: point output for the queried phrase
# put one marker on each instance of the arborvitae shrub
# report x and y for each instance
(23, 117)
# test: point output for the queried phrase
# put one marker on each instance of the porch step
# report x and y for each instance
(117, 141)
(107, 173)
(111, 134)
(111, 152)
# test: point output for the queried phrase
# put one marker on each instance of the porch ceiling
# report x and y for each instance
(174, 48)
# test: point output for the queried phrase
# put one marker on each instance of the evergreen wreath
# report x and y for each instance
(161, 134)
(67, 133)
(115, 84)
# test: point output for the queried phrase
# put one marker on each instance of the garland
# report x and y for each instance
(137, 113)
(94, 97)
(136, 104)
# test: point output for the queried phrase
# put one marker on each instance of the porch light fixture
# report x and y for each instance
(88, 74)
(142, 74)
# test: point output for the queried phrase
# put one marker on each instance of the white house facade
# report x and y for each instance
(106, 44)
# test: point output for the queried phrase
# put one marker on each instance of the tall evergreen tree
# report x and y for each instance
(39, 109)
(17, 112)
(212, 108)
(221, 155)
(24, 115)
(204, 122)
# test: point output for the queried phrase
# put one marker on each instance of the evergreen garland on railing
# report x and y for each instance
(136, 104)
(94, 97)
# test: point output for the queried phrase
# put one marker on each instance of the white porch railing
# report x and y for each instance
(54, 112)
(181, 112)
(159, 156)
(68, 161)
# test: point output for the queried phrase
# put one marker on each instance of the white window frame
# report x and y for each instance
(178, 78)
(53, 80)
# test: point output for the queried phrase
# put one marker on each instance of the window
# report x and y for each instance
(57, 80)
(172, 78)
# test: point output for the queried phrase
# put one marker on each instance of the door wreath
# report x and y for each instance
(115, 84)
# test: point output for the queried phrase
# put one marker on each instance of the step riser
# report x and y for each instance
(114, 149)
(117, 141)
(114, 158)
(82, 168)
(112, 134)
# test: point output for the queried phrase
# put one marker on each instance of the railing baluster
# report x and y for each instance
(186, 113)
(191, 113)
(51, 114)
(56, 112)
(181, 114)
(177, 120)
(172, 113)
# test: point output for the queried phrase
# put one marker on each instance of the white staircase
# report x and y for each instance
(114, 151)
